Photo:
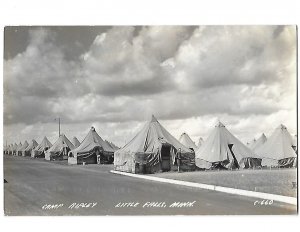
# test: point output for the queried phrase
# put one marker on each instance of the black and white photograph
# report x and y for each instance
(150, 120)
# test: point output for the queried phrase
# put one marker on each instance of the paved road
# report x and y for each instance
(34, 183)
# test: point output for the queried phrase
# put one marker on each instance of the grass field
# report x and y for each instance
(277, 181)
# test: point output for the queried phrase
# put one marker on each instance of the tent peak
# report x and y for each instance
(153, 119)
(93, 128)
(219, 124)
(282, 127)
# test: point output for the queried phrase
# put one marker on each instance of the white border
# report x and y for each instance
(133, 12)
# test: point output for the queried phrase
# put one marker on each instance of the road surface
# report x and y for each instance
(39, 187)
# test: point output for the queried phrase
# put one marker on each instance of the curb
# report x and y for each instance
(241, 192)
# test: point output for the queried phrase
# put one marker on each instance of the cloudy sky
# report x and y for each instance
(115, 78)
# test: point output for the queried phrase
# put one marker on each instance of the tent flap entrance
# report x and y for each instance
(165, 157)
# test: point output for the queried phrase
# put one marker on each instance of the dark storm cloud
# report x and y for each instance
(74, 40)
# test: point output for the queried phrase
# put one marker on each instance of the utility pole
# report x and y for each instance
(58, 126)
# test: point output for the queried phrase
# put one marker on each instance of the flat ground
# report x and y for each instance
(275, 181)
(34, 183)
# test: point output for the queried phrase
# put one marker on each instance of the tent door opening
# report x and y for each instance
(165, 157)
(235, 162)
(99, 156)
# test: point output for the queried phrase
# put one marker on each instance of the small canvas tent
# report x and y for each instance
(39, 151)
(75, 142)
(11, 149)
(200, 142)
(187, 141)
(153, 149)
(278, 149)
(222, 150)
(93, 149)
(27, 152)
(258, 143)
(16, 149)
(60, 149)
(5, 148)
(22, 148)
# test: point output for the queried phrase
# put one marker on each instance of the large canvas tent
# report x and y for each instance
(39, 151)
(187, 141)
(22, 148)
(33, 144)
(75, 142)
(222, 150)
(60, 149)
(258, 143)
(200, 142)
(153, 149)
(93, 149)
(278, 150)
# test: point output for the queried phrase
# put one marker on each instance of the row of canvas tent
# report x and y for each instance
(75, 152)
(223, 150)
(32, 149)
(155, 149)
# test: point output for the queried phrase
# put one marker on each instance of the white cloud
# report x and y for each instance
(188, 77)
